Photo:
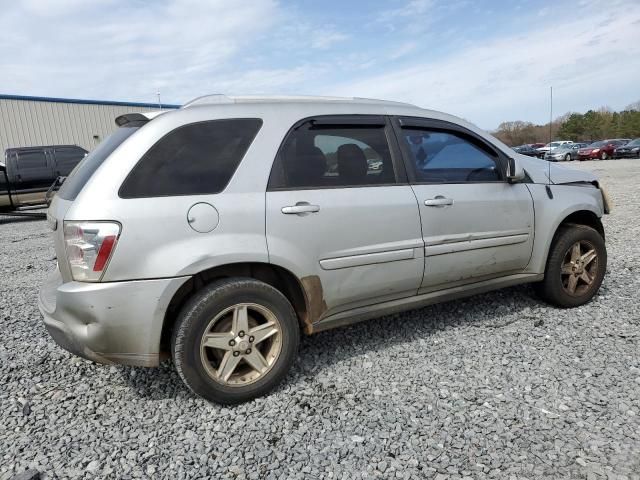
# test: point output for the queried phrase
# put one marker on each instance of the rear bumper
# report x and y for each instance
(116, 322)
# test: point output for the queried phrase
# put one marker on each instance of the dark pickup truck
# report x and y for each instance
(26, 174)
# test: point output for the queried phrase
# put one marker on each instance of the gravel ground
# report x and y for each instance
(496, 386)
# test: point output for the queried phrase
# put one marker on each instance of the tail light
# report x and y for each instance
(89, 246)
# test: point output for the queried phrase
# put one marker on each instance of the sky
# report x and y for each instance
(486, 61)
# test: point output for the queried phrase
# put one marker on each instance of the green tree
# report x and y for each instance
(590, 126)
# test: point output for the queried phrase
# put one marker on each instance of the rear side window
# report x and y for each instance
(199, 158)
(333, 157)
(32, 159)
(81, 174)
(32, 166)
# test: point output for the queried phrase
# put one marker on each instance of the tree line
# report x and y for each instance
(588, 127)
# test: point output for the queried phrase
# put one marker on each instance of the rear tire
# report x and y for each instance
(235, 340)
(575, 268)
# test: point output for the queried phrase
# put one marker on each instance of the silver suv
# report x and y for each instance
(218, 232)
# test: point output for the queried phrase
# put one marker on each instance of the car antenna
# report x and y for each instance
(548, 186)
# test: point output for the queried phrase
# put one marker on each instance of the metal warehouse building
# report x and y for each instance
(30, 121)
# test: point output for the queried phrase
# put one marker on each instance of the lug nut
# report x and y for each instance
(251, 339)
(236, 353)
(248, 351)
(241, 334)
(232, 343)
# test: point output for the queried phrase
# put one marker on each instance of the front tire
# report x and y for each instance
(235, 340)
(575, 268)
(567, 157)
(604, 156)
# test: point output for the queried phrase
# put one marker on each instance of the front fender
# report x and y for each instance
(551, 212)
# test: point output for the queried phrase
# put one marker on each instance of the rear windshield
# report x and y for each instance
(81, 174)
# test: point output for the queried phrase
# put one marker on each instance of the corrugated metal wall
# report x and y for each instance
(25, 123)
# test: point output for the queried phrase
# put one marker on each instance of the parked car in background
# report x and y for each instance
(529, 149)
(218, 233)
(27, 173)
(629, 150)
(542, 151)
(565, 152)
(601, 150)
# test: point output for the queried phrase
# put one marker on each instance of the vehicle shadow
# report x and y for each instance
(324, 349)
(4, 218)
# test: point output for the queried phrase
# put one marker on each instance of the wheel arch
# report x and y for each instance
(584, 217)
(278, 277)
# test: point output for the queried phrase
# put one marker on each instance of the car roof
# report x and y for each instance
(309, 105)
(279, 99)
(303, 105)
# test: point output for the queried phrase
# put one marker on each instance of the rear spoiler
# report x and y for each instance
(128, 118)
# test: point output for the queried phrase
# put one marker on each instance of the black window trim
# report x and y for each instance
(400, 122)
(321, 122)
(136, 123)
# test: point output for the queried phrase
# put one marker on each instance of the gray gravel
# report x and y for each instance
(497, 386)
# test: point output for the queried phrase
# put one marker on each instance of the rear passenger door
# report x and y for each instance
(65, 159)
(475, 225)
(340, 215)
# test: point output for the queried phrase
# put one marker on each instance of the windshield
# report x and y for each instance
(598, 144)
(633, 143)
(81, 174)
(553, 144)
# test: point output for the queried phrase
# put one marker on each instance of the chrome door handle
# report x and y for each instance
(300, 208)
(438, 202)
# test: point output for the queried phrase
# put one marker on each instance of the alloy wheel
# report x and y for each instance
(241, 344)
(579, 268)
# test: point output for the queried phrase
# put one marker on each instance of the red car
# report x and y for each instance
(602, 150)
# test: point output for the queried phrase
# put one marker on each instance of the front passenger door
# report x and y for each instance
(475, 225)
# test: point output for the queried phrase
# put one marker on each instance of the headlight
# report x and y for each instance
(89, 246)
(595, 150)
(637, 149)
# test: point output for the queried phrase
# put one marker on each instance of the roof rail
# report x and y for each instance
(221, 99)
(216, 98)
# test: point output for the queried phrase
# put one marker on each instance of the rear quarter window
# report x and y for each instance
(198, 158)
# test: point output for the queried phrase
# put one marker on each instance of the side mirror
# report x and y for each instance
(515, 171)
